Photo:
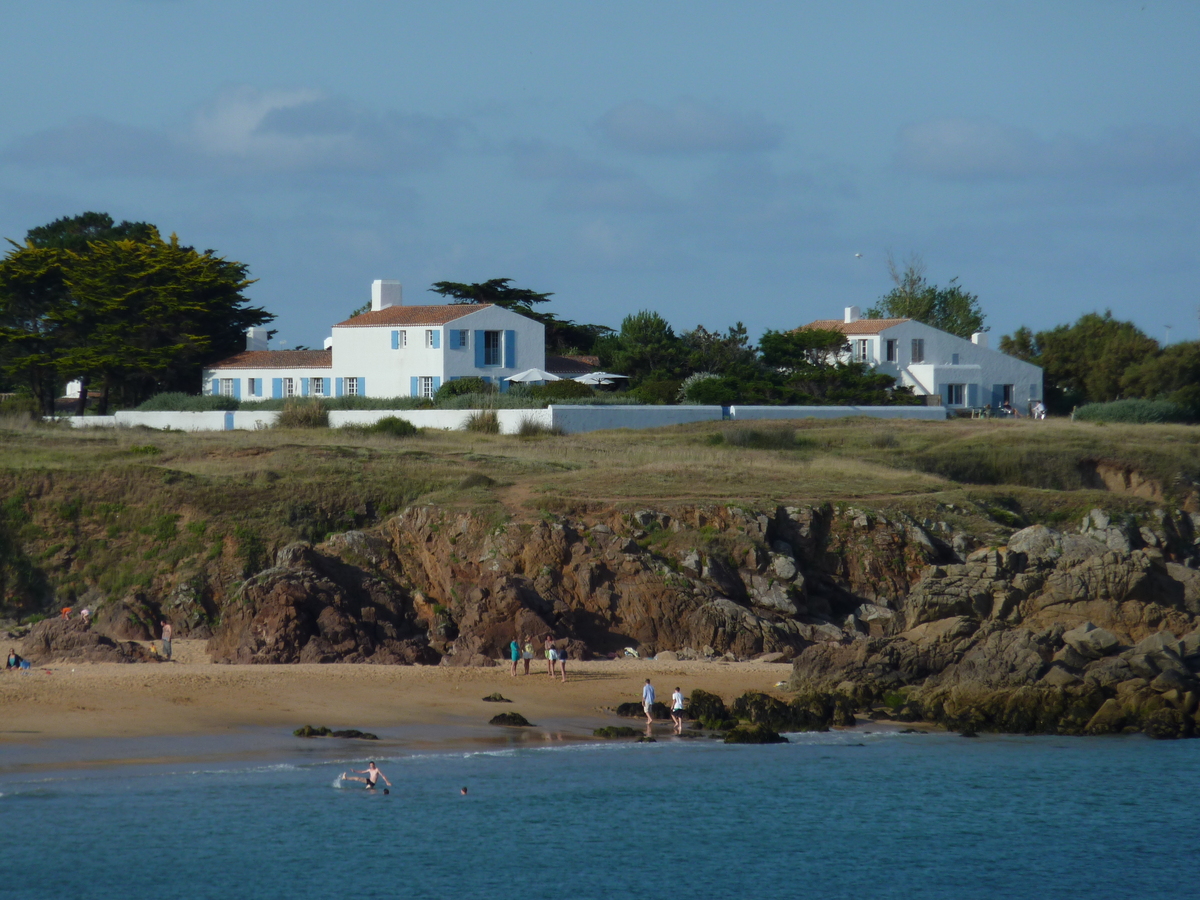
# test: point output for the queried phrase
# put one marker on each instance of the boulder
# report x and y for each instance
(1091, 642)
(70, 640)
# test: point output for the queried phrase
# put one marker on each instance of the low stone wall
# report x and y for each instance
(571, 419)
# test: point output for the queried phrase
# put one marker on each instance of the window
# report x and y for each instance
(425, 386)
(891, 350)
(1006, 393)
(252, 386)
(289, 387)
(318, 387)
(862, 350)
(226, 387)
(351, 387)
(491, 348)
(954, 394)
(430, 340)
(954, 359)
(399, 340)
(463, 341)
(918, 350)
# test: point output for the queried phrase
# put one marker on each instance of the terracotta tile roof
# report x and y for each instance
(277, 359)
(862, 326)
(572, 365)
(413, 315)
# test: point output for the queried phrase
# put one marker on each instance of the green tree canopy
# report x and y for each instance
(497, 291)
(950, 308)
(136, 315)
(645, 348)
(77, 232)
(791, 351)
(1085, 362)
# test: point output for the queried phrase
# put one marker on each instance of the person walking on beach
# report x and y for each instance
(514, 650)
(373, 775)
(648, 702)
(527, 654)
(677, 710)
(562, 663)
(166, 640)
(551, 655)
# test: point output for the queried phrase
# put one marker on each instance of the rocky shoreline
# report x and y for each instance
(1091, 631)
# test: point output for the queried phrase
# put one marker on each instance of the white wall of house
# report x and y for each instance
(415, 360)
(399, 360)
(949, 360)
(264, 383)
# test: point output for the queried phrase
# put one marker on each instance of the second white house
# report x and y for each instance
(392, 350)
(963, 373)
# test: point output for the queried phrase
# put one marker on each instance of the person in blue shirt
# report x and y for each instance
(648, 701)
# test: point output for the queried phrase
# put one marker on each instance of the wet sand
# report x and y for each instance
(191, 696)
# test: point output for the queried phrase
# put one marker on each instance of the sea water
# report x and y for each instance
(829, 815)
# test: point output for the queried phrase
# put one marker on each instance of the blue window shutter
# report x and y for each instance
(972, 395)
(437, 339)
(277, 388)
(437, 383)
(415, 386)
(303, 387)
(337, 387)
(946, 394)
(395, 340)
(504, 385)
(216, 386)
(237, 389)
(479, 349)
(362, 385)
(510, 349)
(487, 379)
(453, 338)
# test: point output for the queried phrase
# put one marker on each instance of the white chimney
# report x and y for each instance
(853, 314)
(256, 338)
(979, 339)
(385, 294)
(329, 342)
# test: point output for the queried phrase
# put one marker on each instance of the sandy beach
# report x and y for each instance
(191, 696)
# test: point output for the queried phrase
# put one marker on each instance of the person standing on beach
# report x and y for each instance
(677, 710)
(562, 663)
(373, 775)
(514, 650)
(648, 701)
(551, 655)
(166, 640)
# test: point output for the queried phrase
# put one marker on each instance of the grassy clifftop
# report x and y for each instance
(106, 513)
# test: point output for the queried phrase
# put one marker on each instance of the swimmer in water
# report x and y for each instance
(463, 792)
(373, 775)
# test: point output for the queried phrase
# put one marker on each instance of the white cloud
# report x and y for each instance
(246, 131)
(686, 127)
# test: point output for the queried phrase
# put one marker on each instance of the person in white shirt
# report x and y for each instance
(677, 710)
(648, 701)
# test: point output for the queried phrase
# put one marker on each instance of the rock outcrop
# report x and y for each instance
(1055, 633)
(71, 640)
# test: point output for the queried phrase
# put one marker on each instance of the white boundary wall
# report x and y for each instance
(933, 413)
(444, 419)
(571, 419)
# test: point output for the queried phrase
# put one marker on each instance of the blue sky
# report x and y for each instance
(713, 161)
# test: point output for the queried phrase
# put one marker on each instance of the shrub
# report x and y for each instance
(177, 401)
(20, 406)
(562, 390)
(1139, 412)
(392, 426)
(460, 386)
(708, 389)
(533, 428)
(274, 403)
(510, 400)
(657, 392)
(303, 414)
(485, 422)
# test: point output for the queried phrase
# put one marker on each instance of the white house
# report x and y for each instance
(935, 363)
(391, 351)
